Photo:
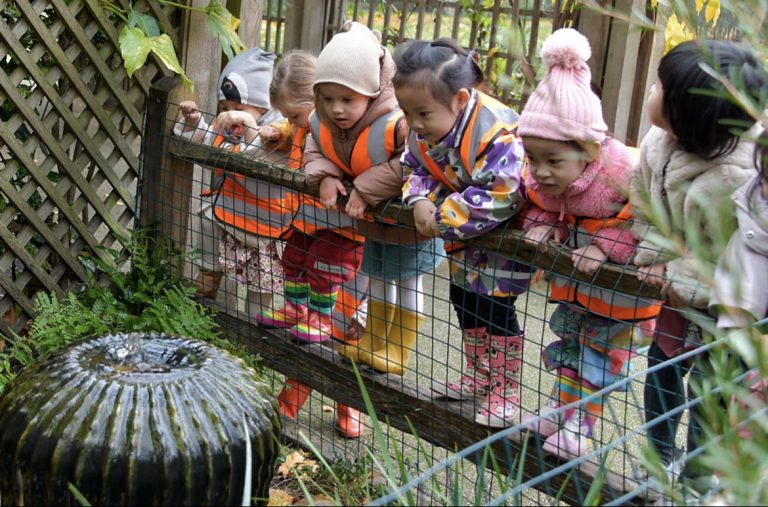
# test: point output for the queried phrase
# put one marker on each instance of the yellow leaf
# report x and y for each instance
(297, 465)
(279, 498)
(675, 33)
(712, 12)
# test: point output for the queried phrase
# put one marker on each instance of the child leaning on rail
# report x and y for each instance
(577, 180)
(467, 160)
(691, 161)
(249, 216)
(355, 135)
(739, 291)
(291, 92)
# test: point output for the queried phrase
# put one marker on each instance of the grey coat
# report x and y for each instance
(740, 289)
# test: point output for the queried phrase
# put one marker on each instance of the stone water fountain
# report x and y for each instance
(136, 420)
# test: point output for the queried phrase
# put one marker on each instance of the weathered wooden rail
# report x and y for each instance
(165, 196)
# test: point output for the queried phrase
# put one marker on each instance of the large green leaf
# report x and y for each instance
(224, 26)
(135, 46)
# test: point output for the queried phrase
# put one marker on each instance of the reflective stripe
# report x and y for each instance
(296, 156)
(488, 119)
(254, 206)
(375, 145)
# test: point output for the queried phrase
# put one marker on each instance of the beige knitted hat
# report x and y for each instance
(352, 58)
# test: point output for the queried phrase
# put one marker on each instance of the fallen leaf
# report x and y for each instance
(278, 498)
(298, 465)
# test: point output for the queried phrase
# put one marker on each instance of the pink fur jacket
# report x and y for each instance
(600, 192)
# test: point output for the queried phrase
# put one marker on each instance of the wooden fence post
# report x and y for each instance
(165, 183)
(306, 22)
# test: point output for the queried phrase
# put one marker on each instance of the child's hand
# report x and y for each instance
(538, 235)
(356, 205)
(330, 188)
(269, 134)
(424, 218)
(236, 124)
(652, 275)
(190, 112)
(588, 259)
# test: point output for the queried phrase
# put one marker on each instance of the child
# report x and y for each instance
(353, 103)
(691, 161)
(577, 181)
(291, 92)
(739, 296)
(252, 215)
(466, 160)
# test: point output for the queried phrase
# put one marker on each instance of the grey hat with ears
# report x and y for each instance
(352, 58)
(246, 78)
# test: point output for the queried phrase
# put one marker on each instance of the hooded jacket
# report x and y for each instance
(740, 288)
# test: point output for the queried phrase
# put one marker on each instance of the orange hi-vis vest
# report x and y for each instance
(605, 302)
(489, 119)
(296, 155)
(254, 206)
(375, 145)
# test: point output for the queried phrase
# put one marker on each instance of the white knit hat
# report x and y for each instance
(352, 58)
(246, 78)
(563, 106)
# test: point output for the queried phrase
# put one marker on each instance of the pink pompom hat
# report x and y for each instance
(563, 106)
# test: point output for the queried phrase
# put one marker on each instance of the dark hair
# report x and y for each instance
(441, 67)
(761, 153)
(702, 122)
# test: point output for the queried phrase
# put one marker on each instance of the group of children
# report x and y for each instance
(419, 127)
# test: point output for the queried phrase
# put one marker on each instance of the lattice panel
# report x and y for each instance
(70, 138)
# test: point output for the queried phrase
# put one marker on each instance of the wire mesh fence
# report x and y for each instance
(505, 397)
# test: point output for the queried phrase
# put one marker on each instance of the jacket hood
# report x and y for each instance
(752, 214)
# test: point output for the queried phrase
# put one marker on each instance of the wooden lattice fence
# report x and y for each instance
(69, 142)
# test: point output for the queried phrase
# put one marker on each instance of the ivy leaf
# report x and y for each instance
(146, 23)
(135, 46)
(224, 25)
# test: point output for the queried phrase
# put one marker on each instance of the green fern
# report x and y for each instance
(139, 291)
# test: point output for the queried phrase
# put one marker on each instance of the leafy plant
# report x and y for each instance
(140, 291)
(142, 34)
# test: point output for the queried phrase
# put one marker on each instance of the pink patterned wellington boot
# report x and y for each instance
(501, 408)
(475, 381)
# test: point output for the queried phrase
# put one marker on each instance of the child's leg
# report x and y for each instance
(663, 392)
(561, 356)
(501, 408)
(603, 350)
(392, 354)
(295, 285)
(331, 260)
(381, 309)
(475, 342)
(207, 280)
(292, 397)
(269, 278)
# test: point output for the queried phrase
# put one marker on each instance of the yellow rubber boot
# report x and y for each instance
(376, 326)
(401, 340)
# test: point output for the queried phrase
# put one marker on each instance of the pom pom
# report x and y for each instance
(566, 48)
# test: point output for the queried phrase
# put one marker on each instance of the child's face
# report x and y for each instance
(429, 118)
(298, 114)
(229, 105)
(554, 164)
(654, 108)
(343, 106)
